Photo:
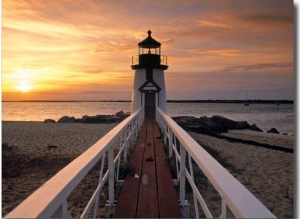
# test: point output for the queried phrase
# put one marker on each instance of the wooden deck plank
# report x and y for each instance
(127, 202)
(153, 193)
(167, 198)
(149, 148)
(147, 202)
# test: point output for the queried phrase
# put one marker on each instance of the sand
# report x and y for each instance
(267, 173)
(35, 151)
(279, 140)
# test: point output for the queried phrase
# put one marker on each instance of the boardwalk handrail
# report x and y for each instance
(50, 200)
(237, 201)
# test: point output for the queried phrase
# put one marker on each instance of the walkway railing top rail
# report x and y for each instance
(237, 201)
(50, 200)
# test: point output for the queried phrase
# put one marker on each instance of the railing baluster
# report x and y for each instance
(62, 211)
(221, 179)
(182, 175)
(192, 175)
(100, 181)
(111, 181)
(111, 174)
(118, 168)
(171, 144)
(176, 158)
(183, 203)
(226, 212)
(165, 132)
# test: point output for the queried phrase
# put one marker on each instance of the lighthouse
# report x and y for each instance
(149, 82)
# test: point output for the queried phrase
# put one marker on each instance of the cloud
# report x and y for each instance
(102, 92)
(260, 66)
(213, 24)
(265, 16)
(79, 42)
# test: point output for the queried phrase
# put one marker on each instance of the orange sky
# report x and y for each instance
(81, 50)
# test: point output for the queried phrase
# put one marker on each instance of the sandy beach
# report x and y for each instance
(267, 173)
(33, 152)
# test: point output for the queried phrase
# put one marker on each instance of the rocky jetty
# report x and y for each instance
(215, 124)
(273, 130)
(204, 124)
(49, 121)
(106, 119)
(255, 128)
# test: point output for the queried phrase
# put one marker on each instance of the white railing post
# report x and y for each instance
(184, 206)
(165, 131)
(171, 144)
(111, 169)
(192, 175)
(123, 144)
(226, 213)
(62, 211)
(110, 206)
(182, 174)
(99, 183)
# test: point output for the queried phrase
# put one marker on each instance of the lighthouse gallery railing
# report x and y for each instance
(50, 200)
(237, 201)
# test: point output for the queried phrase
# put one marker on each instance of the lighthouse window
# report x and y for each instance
(149, 74)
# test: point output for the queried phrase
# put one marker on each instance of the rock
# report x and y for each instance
(120, 116)
(113, 119)
(255, 128)
(211, 124)
(208, 123)
(273, 130)
(51, 146)
(49, 121)
(185, 120)
(84, 119)
(203, 124)
(91, 119)
(120, 113)
(107, 119)
(230, 124)
(66, 119)
(284, 133)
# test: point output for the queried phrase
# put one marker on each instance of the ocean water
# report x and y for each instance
(265, 116)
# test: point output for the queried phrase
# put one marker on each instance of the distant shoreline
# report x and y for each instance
(254, 101)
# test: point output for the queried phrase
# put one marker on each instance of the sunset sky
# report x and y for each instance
(82, 49)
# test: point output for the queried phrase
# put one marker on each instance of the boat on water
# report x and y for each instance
(247, 102)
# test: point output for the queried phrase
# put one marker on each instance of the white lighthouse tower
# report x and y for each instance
(149, 82)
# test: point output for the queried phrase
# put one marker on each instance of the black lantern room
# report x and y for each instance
(149, 55)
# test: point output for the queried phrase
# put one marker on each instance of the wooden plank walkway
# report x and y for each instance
(149, 193)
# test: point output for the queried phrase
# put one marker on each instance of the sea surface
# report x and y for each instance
(265, 116)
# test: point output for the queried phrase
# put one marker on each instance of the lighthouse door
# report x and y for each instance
(149, 103)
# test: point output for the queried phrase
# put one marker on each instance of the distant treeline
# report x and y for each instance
(234, 101)
(66, 101)
(173, 101)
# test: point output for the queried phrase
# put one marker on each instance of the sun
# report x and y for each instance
(24, 87)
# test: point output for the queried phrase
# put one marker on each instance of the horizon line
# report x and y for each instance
(181, 100)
